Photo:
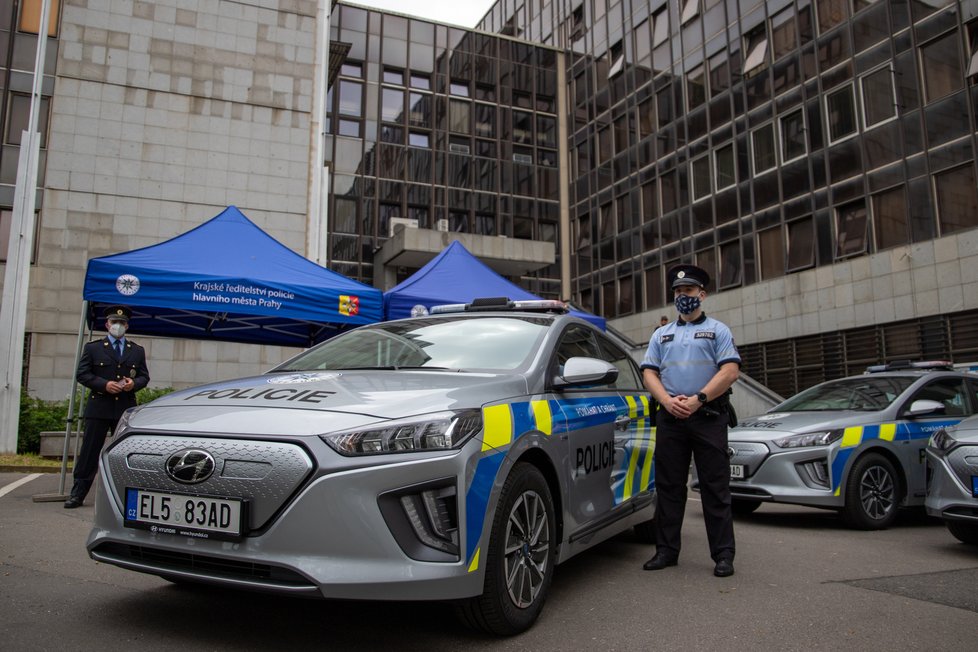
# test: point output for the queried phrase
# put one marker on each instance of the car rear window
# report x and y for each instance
(458, 344)
(861, 394)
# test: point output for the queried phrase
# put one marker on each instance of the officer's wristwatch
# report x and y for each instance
(701, 397)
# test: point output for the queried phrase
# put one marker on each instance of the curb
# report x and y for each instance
(30, 469)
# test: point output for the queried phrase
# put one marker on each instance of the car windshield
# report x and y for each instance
(464, 343)
(865, 394)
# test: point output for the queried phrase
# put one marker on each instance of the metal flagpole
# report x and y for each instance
(13, 312)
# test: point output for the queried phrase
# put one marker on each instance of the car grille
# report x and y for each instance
(261, 472)
(204, 566)
(750, 454)
(964, 462)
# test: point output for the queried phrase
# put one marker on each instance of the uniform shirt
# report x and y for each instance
(688, 354)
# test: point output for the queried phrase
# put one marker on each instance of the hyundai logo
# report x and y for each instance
(190, 466)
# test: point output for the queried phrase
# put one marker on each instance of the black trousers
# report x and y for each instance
(704, 438)
(87, 463)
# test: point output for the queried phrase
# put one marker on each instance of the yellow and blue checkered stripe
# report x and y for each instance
(854, 436)
(505, 423)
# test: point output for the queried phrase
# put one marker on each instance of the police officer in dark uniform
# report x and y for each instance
(689, 368)
(114, 369)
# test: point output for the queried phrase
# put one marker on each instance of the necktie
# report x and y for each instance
(118, 348)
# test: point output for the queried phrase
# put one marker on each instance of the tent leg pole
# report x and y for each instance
(50, 498)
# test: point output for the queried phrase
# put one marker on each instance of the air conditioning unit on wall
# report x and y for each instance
(441, 225)
(406, 222)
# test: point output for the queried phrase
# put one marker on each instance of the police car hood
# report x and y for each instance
(764, 427)
(319, 402)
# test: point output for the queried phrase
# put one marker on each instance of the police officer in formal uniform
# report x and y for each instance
(114, 369)
(689, 368)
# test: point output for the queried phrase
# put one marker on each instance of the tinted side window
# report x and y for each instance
(577, 341)
(950, 392)
(628, 376)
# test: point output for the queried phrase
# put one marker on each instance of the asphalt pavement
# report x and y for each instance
(803, 582)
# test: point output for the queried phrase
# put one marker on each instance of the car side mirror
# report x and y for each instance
(924, 407)
(580, 371)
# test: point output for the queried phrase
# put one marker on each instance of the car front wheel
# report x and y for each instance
(963, 532)
(872, 493)
(520, 560)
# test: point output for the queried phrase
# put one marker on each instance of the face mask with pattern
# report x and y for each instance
(687, 305)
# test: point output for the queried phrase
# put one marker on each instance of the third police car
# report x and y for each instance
(855, 444)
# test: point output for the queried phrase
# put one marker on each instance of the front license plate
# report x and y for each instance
(736, 471)
(974, 486)
(204, 517)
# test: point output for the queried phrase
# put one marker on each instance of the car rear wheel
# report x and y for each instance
(520, 559)
(872, 493)
(963, 532)
(743, 506)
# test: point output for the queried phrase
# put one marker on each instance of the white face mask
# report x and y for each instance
(117, 330)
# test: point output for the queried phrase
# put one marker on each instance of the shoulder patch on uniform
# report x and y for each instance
(705, 335)
(667, 338)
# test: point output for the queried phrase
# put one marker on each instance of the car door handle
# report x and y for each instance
(622, 423)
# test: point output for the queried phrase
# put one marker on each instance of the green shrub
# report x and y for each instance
(37, 415)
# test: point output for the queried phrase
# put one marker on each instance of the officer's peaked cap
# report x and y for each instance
(118, 313)
(688, 275)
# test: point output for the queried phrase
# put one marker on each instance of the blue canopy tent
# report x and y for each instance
(228, 280)
(456, 276)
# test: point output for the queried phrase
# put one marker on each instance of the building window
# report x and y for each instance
(731, 265)
(755, 45)
(695, 87)
(783, 38)
(831, 13)
(840, 111)
(719, 74)
(726, 174)
(957, 199)
(771, 249)
(349, 128)
(878, 96)
(418, 139)
(30, 16)
(392, 105)
(793, 136)
(392, 76)
(458, 116)
(801, 244)
(973, 43)
(890, 218)
(616, 59)
(660, 29)
(460, 89)
(577, 23)
(351, 69)
(421, 81)
(351, 98)
(522, 127)
(691, 8)
(18, 117)
(851, 227)
(419, 114)
(763, 148)
(643, 43)
(700, 173)
(940, 67)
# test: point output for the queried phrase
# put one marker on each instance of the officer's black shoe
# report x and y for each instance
(724, 568)
(660, 560)
(73, 502)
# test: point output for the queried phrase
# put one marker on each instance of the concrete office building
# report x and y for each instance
(817, 156)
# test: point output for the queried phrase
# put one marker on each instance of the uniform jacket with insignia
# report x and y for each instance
(99, 364)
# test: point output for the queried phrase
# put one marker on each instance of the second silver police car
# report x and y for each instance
(952, 491)
(855, 444)
(457, 456)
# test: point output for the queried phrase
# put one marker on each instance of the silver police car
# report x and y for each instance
(855, 444)
(455, 456)
(952, 489)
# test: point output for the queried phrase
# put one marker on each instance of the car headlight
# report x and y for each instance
(820, 438)
(122, 427)
(441, 431)
(942, 440)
